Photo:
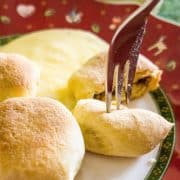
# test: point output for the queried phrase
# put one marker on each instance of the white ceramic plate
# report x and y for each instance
(98, 167)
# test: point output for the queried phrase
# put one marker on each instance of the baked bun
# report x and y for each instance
(125, 132)
(89, 80)
(18, 76)
(39, 140)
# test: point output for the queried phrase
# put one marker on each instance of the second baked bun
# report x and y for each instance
(125, 132)
(39, 140)
(89, 80)
(18, 76)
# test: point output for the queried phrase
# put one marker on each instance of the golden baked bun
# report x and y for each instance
(125, 132)
(18, 76)
(89, 80)
(39, 140)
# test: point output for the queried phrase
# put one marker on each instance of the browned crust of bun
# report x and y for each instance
(38, 138)
(18, 76)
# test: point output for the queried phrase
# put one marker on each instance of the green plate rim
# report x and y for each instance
(167, 146)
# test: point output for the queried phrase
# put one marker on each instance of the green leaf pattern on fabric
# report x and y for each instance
(170, 9)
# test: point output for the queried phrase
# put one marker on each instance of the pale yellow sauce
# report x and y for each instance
(58, 53)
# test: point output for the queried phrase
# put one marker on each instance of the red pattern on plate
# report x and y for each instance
(161, 42)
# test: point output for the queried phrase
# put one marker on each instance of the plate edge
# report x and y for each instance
(149, 176)
(172, 134)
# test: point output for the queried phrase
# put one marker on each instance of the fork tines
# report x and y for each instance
(123, 54)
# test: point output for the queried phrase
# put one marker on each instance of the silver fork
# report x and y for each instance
(124, 51)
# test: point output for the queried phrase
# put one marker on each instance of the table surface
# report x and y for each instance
(21, 16)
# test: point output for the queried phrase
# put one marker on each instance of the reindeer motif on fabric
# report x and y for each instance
(159, 45)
